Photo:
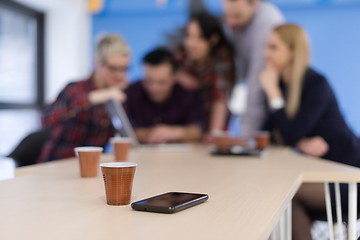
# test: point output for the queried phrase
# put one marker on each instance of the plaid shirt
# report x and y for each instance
(74, 122)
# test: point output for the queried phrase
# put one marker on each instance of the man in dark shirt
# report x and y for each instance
(159, 109)
(78, 117)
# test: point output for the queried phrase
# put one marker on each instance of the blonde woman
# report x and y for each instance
(305, 114)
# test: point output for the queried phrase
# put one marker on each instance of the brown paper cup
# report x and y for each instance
(118, 179)
(121, 148)
(223, 143)
(89, 159)
(262, 140)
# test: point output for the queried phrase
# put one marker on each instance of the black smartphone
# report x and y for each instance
(170, 202)
(246, 153)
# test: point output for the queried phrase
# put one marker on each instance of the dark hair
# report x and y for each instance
(222, 51)
(159, 56)
(210, 27)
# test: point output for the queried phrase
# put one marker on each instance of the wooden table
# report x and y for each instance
(247, 196)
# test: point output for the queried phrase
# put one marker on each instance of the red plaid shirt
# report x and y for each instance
(74, 122)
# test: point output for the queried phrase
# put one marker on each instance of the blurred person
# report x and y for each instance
(247, 24)
(78, 117)
(206, 64)
(159, 109)
(305, 114)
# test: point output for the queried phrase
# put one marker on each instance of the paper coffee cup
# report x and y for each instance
(262, 140)
(118, 179)
(89, 159)
(121, 148)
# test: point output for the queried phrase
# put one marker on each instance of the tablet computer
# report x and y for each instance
(170, 202)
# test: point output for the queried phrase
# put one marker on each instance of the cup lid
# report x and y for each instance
(118, 164)
(88, 149)
(121, 139)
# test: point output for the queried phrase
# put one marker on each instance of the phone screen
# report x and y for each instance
(170, 202)
(170, 199)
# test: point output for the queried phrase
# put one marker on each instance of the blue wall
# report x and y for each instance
(333, 27)
(141, 23)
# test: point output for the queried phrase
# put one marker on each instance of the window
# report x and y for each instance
(21, 72)
(21, 56)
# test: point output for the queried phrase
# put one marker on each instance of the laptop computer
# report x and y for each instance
(123, 127)
(120, 120)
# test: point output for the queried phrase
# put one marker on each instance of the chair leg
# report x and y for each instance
(338, 212)
(282, 231)
(285, 224)
(282, 226)
(328, 211)
(288, 217)
(275, 234)
(352, 211)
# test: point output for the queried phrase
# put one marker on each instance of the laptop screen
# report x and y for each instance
(120, 120)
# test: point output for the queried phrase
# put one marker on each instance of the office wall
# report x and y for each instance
(333, 26)
(143, 29)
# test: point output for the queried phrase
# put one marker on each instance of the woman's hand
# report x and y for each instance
(269, 79)
(314, 146)
(187, 81)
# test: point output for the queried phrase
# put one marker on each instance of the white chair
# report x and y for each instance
(352, 211)
(283, 228)
(7, 168)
